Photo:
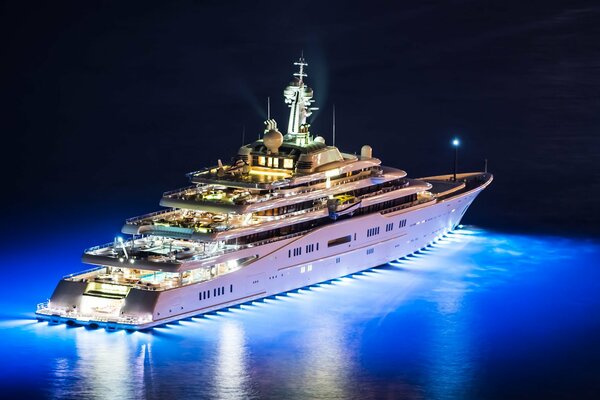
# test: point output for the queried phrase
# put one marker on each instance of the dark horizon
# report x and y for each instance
(107, 106)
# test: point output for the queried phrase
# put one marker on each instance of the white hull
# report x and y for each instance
(275, 271)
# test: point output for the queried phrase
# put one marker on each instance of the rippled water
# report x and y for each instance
(479, 314)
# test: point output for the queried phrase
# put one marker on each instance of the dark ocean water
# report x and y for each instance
(478, 315)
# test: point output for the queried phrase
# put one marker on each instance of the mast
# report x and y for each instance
(298, 97)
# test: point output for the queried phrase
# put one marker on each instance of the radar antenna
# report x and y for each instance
(300, 74)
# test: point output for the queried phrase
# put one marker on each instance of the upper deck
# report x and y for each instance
(228, 199)
(281, 208)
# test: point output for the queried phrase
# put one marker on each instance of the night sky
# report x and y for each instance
(107, 105)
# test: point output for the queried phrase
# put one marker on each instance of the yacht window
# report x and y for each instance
(261, 160)
(288, 163)
(338, 241)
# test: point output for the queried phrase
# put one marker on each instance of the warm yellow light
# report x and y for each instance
(288, 163)
(269, 173)
(332, 172)
(261, 160)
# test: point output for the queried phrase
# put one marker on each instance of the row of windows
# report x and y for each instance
(309, 204)
(286, 209)
(298, 250)
(275, 162)
(216, 292)
(311, 247)
(288, 229)
(295, 252)
(387, 204)
(372, 231)
(332, 178)
(344, 239)
(388, 227)
(283, 231)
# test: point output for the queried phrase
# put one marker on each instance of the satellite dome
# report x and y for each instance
(320, 139)
(366, 151)
(273, 139)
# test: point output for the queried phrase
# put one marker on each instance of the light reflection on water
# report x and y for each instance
(427, 326)
(231, 376)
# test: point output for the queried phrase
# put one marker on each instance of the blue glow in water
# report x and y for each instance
(478, 314)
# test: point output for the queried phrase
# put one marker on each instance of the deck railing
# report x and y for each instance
(403, 206)
(43, 305)
(85, 271)
(153, 214)
(181, 190)
(98, 247)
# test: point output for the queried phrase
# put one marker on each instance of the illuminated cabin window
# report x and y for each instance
(269, 161)
(306, 268)
(288, 163)
(276, 162)
(261, 160)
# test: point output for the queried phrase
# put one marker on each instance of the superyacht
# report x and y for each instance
(289, 211)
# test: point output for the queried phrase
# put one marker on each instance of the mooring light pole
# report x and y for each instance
(455, 144)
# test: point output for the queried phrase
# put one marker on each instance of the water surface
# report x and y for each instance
(480, 314)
